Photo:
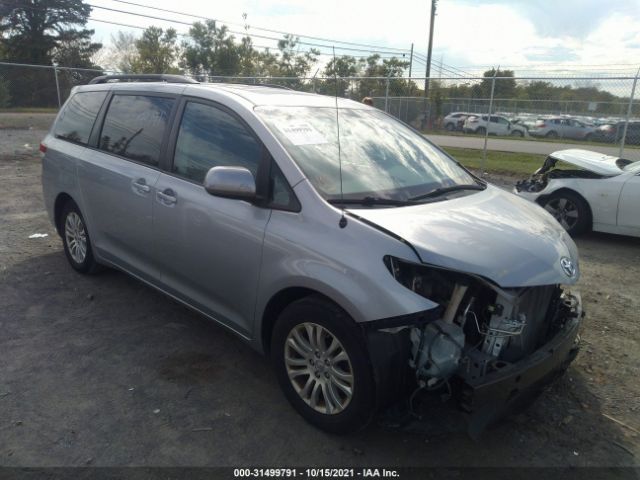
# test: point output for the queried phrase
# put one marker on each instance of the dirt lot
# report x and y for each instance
(103, 370)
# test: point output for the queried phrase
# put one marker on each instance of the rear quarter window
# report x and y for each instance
(78, 116)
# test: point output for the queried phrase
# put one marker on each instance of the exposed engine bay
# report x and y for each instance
(480, 328)
(551, 170)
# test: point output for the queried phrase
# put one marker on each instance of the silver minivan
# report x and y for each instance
(368, 264)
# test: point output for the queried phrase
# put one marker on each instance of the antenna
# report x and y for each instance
(343, 220)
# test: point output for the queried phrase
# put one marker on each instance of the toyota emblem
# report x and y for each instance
(568, 267)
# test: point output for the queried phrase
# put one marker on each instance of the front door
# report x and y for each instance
(209, 248)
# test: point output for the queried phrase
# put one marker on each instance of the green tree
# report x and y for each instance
(392, 68)
(75, 53)
(213, 51)
(343, 66)
(293, 64)
(41, 32)
(157, 51)
(504, 87)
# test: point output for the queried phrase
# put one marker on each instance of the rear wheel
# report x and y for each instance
(322, 365)
(517, 133)
(75, 238)
(588, 137)
(481, 131)
(570, 210)
(450, 127)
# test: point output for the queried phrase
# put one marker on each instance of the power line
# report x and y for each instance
(128, 25)
(333, 41)
(169, 20)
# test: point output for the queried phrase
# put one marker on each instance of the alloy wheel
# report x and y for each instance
(76, 237)
(319, 368)
(564, 211)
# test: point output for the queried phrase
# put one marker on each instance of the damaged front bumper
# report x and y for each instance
(513, 387)
(484, 400)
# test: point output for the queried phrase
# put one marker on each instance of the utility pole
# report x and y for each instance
(428, 73)
(411, 60)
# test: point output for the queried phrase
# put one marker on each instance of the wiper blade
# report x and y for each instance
(369, 201)
(441, 191)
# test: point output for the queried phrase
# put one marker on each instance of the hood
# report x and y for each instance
(593, 161)
(492, 233)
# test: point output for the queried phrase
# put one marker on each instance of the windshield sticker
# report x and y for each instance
(301, 133)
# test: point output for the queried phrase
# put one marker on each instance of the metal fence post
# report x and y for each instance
(486, 130)
(55, 73)
(386, 97)
(629, 108)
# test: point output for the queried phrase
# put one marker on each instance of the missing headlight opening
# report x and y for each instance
(483, 329)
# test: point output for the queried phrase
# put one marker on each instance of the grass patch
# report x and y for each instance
(498, 162)
(28, 110)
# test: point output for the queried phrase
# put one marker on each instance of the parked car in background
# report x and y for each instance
(559, 127)
(498, 125)
(527, 121)
(587, 190)
(455, 121)
(369, 273)
(612, 133)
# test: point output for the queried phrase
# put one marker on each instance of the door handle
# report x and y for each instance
(141, 185)
(166, 197)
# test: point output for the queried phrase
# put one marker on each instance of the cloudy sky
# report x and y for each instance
(591, 35)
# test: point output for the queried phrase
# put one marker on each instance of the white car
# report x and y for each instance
(455, 121)
(498, 125)
(587, 190)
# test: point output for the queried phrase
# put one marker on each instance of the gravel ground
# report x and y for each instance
(103, 370)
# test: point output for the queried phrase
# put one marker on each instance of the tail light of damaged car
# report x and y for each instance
(374, 264)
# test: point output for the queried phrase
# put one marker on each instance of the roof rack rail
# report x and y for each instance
(142, 78)
(247, 84)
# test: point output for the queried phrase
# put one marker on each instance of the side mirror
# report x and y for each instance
(231, 182)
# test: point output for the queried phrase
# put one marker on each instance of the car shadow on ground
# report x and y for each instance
(104, 369)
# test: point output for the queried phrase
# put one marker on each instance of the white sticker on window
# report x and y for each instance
(301, 133)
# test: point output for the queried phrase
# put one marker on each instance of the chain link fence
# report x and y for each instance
(597, 113)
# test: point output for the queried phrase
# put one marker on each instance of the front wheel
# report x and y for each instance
(552, 134)
(570, 210)
(322, 365)
(450, 127)
(481, 131)
(517, 133)
(75, 238)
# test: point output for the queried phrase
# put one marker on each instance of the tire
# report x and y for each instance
(517, 133)
(570, 210)
(76, 241)
(481, 131)
(588, 137)
(449, 127)
(294, 334)
(552, 134)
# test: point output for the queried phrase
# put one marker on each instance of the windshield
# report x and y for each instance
(381, 157)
